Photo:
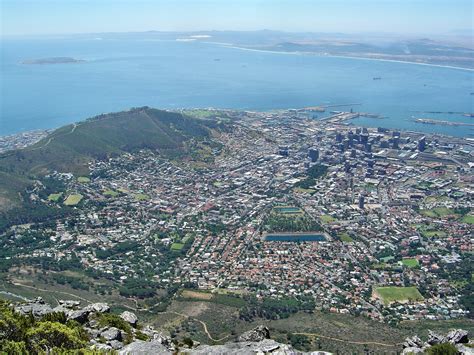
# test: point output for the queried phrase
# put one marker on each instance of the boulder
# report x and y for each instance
(98, 307)
(413, 350)
(258, 334)
(101, 347)
(69, 304)
(61, 308)
(111, 333)
(140, 347)
(115, 344)
(36, 307)
(464, 350)
(129, 317)
(435, 338)
(413, 342)
(457, 336)
(79, 315)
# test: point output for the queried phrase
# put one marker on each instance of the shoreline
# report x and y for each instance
(356, 124)
(348, 57)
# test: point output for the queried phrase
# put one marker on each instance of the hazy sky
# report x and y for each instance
(79, 16)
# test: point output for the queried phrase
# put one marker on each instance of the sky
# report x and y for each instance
(34, 17)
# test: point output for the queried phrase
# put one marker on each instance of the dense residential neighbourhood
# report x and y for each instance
(374, 222)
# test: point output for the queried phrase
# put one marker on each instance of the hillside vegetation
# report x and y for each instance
(69, 149)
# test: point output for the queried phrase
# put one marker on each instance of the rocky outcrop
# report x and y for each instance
(111, 333)
(266, 346)
(98, 307)
(130, 318)
(258, 334)
(140, 347)
(37, 307)
(457, 337)
(255, 341)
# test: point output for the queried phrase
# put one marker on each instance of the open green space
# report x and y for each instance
(411, 263)
(327, 218)
(141, 197)
(110, 193)
(346, 238)
(83, 179)
(55, 197)
(391, 294)
(437, 212)
(434, 234)
(468, 219)
(177, 246)
(73, 199)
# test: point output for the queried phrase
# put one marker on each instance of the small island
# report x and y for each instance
(53, 60)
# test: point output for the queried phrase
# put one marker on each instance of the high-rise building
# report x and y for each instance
(313, 154)
(361, 202)
(364, 138)
(422, 144)
(283, 151)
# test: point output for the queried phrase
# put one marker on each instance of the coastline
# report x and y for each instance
(348, 57)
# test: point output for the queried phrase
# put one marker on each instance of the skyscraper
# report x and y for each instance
(422, 144)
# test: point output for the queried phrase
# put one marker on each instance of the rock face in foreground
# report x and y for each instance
(266, 346)
(458, 337)
(141, 347)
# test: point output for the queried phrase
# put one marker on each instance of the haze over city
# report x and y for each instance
(381, 16)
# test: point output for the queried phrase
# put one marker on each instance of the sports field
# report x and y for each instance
(73, 199)
(411, 263)
(55, 197)
(468, 219)
(391, 294)
(177, 246)
(327, 218)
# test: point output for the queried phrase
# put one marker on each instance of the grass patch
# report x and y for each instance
(83, 179)
(55, 197)
(141, 197)
(433, 234)
(326, 218)
(196, 295)
(346, 238)
(411, 263)
(469, 219)
(391, 294)
(177, 246)
(110, 193)
(437, 212)
(73, 199)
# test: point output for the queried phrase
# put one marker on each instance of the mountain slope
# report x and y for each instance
(71, 148)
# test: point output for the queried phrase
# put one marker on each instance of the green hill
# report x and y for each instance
(72, 147)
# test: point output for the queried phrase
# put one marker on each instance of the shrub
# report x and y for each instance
(442, 349)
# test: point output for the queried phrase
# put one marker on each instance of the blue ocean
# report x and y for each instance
(121, 73)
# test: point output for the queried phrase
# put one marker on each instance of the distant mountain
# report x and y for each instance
(71, 148)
